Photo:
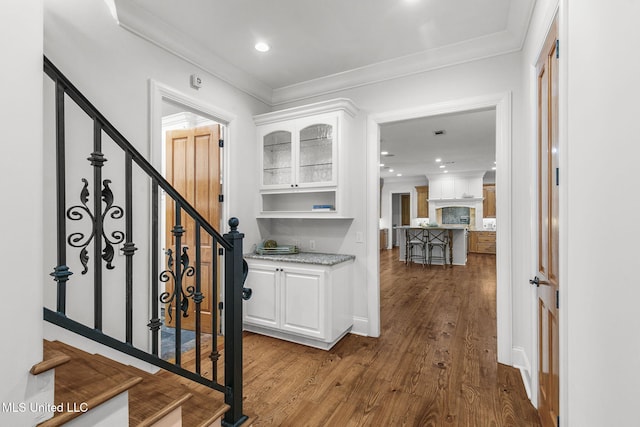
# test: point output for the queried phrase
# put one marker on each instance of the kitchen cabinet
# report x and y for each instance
(489, 201)
(304, 303)
(423, 201)
(301, 172)
(383, 238)
(483, 242)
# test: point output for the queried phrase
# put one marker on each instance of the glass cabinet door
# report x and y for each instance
(277, 159)
(316, 148)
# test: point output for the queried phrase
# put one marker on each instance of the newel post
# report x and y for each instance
(233, 327)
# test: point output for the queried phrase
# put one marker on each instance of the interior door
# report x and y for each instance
(405, 206)
(193, 168)
(548, 242)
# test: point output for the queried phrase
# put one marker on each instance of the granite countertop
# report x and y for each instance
(305, 258)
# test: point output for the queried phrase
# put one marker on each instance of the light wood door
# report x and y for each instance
(193, 168)
(489, 201)
(423, 201)
(548, 242)
(405, 206)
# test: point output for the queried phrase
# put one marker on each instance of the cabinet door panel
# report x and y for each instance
(316, 151)
(263, 306)
(277, 158)
(303, 299)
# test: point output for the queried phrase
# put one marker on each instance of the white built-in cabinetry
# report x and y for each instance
(304, 303)
(303, 160)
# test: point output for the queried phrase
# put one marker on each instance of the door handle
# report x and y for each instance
(536, 281)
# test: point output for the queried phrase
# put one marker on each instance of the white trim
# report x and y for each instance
(360, 326)
(521, 361)
(502, 103)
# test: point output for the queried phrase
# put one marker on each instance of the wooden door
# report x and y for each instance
(548, 242)
(489, 201)
(405, 206)
(193, 168)
(423, 201)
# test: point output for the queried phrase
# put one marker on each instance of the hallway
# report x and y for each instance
(434, 364)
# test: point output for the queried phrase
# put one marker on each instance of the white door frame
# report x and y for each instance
(502, 103)
(158, 93)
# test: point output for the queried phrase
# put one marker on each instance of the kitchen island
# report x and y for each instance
(457, 241)
(303, 297)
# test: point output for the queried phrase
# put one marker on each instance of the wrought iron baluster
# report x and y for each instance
(61, 272)
(97, 161)
(154, 323)
(198, 296)
(178, 231)
(129, 248)
(215, 354)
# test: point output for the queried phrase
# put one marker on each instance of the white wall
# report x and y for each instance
(396, 186)
(600, 42)
(112, 67)
(22, 210)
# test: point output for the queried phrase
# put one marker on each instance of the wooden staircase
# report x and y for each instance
(84, 381)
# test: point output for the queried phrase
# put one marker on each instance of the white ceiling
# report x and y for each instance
(468, 144)
(322, 46)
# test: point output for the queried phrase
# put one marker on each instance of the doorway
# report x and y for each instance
(183, 112)
(502, 104)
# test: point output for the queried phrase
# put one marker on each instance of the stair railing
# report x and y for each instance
(99, 247)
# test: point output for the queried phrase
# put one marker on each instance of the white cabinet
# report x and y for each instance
(299, 153)
(303, 167)
(303, 303)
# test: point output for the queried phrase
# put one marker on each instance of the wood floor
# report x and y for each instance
(433, 365)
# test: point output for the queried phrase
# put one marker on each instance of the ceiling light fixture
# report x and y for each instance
(446, 171)
(390, 170)
(381, 164)
(442, 166)
(399, 174)
(438, 160)
(262, 47)
(384, 153)
(493, 168)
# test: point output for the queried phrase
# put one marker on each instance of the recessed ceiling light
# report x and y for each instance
(493, 168)
(438, 160)
(262, 47)
(399, 174)
(442, 166)
(390, 170)
(384, 153)
(446, 171)
(381, 164)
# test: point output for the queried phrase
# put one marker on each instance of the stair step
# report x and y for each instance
(51, 361)
(203, 408)
(155, 395)
(82, 381)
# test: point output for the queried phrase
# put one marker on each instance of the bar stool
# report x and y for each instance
(438, 239)
(416, 246)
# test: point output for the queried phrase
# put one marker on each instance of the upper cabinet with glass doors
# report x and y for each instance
(299, 154)
(300, 150)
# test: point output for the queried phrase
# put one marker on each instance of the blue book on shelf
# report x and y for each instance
(322, 207)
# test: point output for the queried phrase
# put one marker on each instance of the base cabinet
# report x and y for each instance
(307, 304)
(482, 242)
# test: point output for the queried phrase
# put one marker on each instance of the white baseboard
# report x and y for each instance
(360, 326)
(521, 361)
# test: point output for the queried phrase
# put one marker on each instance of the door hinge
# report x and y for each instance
(557, 176)
(221, 143)
(220, 251)
(557, 299)
(557, 49)
(221, 198)
(221, 306)
(558, 421)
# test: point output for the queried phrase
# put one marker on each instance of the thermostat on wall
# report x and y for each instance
(196, 81)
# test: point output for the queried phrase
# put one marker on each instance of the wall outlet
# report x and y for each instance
(312, 244)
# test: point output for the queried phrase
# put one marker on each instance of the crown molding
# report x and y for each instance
(138, 21)
(339, 104)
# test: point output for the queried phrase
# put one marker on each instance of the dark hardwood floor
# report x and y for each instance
(433, 365)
